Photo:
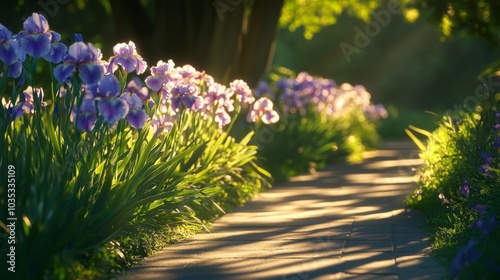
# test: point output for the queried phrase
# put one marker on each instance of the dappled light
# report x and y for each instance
(335, 223)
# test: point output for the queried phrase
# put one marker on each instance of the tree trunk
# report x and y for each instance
(212, 35)
(258, 43)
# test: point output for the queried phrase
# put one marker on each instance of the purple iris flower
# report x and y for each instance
(27, 103)
(110, 106)
(160, 75)
(126, 56)
(190, 74)
(84, 58)
(136, 116)
(109, 87)
(487, 160)
(14, 111)
(37, 40)
(242, 91)
(9, 53)
(465, 189)
(187, 95)
(216, 96)
(135, 85)
(8, 46)
(263, 109)
(208, 80)
(465, 257)
(86, 116)
(112, 109)
(57, 50)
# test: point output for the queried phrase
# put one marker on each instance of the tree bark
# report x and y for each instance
(224, 42)
(258, 43)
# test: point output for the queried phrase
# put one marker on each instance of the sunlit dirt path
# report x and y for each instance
(346, 222)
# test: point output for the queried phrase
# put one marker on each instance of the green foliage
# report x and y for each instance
(459, 174)
(316, 14)
(477, 18)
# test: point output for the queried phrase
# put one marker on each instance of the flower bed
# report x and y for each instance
(321, 122)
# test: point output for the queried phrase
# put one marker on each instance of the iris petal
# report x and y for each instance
(137, 118)
(155, 82)
(109, 86)
(56, 52)
(86, 121)
(36, 45)
(112, 109)
(90, 73)
(63, 72)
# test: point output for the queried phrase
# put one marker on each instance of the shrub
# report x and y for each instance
(458, 189)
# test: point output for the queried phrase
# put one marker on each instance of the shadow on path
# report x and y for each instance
(345, 222)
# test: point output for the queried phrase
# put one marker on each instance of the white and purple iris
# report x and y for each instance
(126, 55)
(25, 104)
(242, 91)
(217, 96)
(161, 75)
(263, 109)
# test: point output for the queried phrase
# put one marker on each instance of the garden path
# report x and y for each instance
(345, 222)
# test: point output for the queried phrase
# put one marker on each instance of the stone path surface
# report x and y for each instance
(345, 222)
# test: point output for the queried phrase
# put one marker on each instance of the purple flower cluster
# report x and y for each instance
(185, 87)
(80, 70)
(106, 99)
(295, 95)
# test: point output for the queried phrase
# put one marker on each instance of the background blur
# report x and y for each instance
(408, 65)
